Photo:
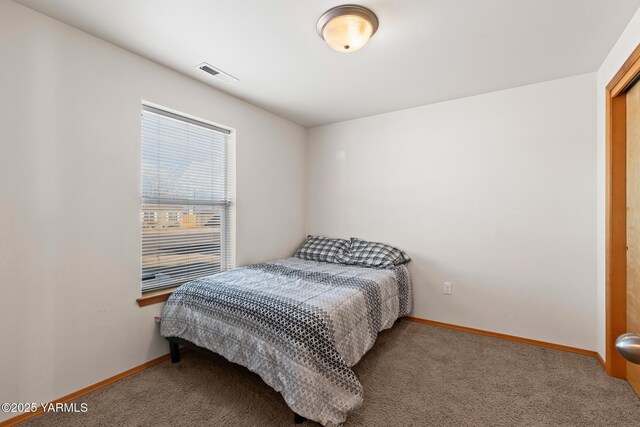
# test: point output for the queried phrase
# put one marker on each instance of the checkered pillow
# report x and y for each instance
(325, 249)
(372, 254)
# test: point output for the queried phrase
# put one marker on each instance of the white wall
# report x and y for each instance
(627, 42)
(70, 198)
(495, 193)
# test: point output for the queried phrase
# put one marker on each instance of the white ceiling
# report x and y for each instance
(425, 51)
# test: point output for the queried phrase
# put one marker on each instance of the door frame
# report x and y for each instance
(616, 210)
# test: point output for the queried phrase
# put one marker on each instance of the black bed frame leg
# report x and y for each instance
(298, 419)
(174, 348)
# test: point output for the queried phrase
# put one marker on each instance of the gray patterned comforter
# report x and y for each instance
(300, 325)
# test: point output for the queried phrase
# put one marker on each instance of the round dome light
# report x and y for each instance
(348, 27)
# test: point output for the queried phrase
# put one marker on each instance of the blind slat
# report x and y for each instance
(185, 199)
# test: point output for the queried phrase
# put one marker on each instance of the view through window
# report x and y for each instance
(185, 199)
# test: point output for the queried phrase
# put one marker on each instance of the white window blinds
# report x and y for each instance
(185, 199)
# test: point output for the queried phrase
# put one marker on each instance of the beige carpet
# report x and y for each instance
(416, 375)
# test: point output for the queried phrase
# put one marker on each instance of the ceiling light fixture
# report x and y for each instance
(348, 27)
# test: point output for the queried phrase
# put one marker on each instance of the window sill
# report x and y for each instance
(155, 297)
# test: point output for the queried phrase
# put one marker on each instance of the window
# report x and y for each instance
(185, 216)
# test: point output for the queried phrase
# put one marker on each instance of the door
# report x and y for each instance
(633, 224)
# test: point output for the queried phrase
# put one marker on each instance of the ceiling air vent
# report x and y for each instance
(217, 73)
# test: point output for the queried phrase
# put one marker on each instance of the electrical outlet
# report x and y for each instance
(448, 288)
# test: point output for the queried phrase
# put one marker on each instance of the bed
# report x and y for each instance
(299, 324)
